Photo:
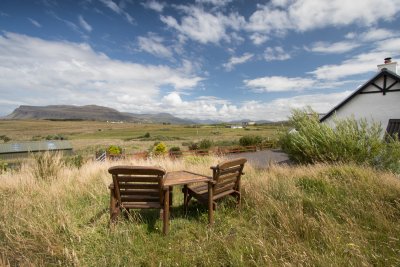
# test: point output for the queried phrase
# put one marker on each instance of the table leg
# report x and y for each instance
(113, 206)
(210, 204)
(166, 212)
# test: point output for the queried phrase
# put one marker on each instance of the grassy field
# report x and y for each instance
(317, 215)
(87, 134)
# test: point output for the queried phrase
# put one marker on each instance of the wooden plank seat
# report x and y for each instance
(139, 187)
(225, 181)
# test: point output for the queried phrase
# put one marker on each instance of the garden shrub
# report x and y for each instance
(347, 141)
(159, 149)
(250, 140)
(205, 144)
(114, 150)
(193, 146)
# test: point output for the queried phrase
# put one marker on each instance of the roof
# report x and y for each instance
(34, 146)
(383, 73)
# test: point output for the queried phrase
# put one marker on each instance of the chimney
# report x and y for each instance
(388, 65)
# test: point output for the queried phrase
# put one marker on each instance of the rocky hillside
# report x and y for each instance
(90, 112)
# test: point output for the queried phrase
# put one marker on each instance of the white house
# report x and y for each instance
(378, 100)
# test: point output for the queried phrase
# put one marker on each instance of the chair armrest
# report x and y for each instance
(212, 181)
(213, 167)
(111, 186)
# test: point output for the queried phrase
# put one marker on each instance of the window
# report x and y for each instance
(393, 127)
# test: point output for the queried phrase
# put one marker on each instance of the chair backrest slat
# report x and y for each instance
(138, 184)
(227, 175)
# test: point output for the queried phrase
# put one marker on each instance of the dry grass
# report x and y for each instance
(324, 215)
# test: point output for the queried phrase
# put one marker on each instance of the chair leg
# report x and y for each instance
(186, 198)
(114, 209)
(210, 204)
(166, 212)
(238, 198)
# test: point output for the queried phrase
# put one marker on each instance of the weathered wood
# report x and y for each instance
(225, 181)
(166, 212)
(138, 187)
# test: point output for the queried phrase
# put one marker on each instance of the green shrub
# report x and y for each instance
(5, 138)
(175, 149)
(205, 144)
(193, 146)
(146, 135)
(348, 141)
(114, 150)
(250, 140)
(56, 137)
(160, 149)
(3, 167)
(74, 161)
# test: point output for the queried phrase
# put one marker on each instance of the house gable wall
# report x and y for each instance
(373, 106)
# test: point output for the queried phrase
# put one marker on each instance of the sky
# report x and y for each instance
(199, 59)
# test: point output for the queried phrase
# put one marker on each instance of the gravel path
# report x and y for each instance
(261, 159)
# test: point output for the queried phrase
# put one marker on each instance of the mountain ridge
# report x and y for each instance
(101, 113)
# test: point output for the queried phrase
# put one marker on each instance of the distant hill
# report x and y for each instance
(159, 118)
(89, 112)
(68, 112)
(99, 113)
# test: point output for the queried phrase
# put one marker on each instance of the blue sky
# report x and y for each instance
(203, 59)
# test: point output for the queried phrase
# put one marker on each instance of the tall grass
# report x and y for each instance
(321, 215)
(347, 141)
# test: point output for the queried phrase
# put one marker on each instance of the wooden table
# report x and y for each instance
(184, 178)
(172, 179)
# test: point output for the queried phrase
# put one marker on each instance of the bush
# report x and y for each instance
(3, 167)
(250, 140)
(5, 138)
(205, 144)
(193, 146)
(146, 135)
(160, 149)
(114, 150)
(348, 141)
(56, 137)
(175, 149)
(74, 161)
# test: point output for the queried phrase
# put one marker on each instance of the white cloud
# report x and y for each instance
(279, 84)
(275, 53)
(275, 110)
(359, 64)
(305, 15)
(154, 5)
(153, 44)
(35, 23)
(258, 38)
(118, 9)
(214, 2)
(84, 24)
(377, 34)
(333, 48)
(233, 61)
(204, 27)
(39, 72)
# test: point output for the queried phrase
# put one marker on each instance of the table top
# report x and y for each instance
(184, 177)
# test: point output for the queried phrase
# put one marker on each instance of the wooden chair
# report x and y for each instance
(226, 181)
(138, 187)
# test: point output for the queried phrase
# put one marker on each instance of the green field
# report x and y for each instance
(88, 134)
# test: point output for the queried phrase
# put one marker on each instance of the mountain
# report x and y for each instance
(68, 112)
(159, 118)
(89, 112)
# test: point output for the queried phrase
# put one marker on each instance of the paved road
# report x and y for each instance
(261, 159)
